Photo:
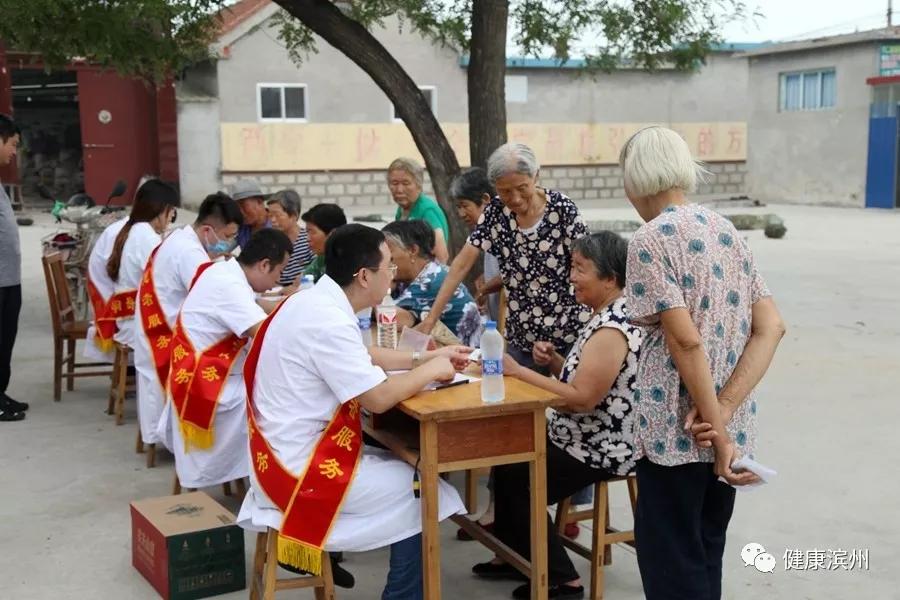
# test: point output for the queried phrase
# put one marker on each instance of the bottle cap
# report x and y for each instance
(491, 325)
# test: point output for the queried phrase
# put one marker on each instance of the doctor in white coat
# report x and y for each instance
(312, 360)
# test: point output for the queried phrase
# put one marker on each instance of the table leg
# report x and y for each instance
(538, 472)
(431, 549)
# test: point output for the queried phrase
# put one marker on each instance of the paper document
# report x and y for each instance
(458, 379)
(745, 463)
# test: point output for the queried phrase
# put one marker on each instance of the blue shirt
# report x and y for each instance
(244, 233)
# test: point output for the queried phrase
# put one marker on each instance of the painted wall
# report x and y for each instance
(810, 157)
(198, 149)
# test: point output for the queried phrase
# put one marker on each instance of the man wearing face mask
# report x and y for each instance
(167, 278)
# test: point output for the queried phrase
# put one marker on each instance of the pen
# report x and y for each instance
(449, 385)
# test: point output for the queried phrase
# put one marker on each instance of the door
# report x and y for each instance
(118, 134)
(881, 168)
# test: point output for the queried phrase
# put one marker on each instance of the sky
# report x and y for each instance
(784, 20)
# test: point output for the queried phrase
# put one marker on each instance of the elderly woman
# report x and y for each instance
(320, 221)
(472, 191)
(284, 212)
(530, 230)
(590, 435)
(712, 330)
(412, 249)
(405, 178)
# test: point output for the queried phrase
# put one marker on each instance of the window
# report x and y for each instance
(810, 90)
(516, 88)
(430, 93)
(281, 101)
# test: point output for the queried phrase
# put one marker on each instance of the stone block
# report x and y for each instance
(354, 188)
(730, 167)
(576, 172)
(321, 178)
(363, 177)
(736, 178)
(317, 191)
(286, 178)
(266, 179)
(343, 177)
(566, 183)
(304, 178)
(371, 188)
(576, 194)
(335, 189)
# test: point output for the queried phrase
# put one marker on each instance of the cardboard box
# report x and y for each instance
(187, 546)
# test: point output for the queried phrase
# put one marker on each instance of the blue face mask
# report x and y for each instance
(220, 246)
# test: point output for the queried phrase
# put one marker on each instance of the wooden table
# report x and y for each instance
(452, 430)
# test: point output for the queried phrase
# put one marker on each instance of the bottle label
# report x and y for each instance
(387, 315)
(491, 367)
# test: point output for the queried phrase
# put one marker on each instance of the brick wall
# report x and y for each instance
(361, 189)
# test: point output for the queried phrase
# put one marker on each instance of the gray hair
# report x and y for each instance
(513, 157)
(411, 166)
(657, 159)
(471, 184)
(608, 251)
(288, 200)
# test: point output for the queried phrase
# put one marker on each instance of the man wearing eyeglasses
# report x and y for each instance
(308, 376)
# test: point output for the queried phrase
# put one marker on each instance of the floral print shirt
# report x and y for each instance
(535, 265)
(690, 257)
(601, 439)
(461, 314)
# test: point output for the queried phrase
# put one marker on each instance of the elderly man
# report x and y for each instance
(252, 202)
(10, 277)
(405, 178)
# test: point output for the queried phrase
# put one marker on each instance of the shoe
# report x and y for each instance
(566, 592)
(9, 416)
(341, 576)
(14, 405)
(571, 531)
(463, 535)
(489, 570)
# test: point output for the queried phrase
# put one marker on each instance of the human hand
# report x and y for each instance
(701, 430)
(510, 366)
(457, 355)
(542, 353)
(726, 453)
(425, 326)
(442, 370)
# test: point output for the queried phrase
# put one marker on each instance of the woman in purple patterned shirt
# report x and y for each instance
(711, 331)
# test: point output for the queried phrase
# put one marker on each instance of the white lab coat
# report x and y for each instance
(103, 247)
(142, 239)
(313, 359)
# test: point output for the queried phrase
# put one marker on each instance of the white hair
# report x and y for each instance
(513, 157)
(656, 160)
(411, 166)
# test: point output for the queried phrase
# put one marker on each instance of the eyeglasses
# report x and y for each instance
(174, 215)
(391, 267)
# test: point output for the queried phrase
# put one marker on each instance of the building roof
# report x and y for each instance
(235, 14)
(831, 41)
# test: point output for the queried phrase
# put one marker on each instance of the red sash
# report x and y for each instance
(196, 380)
(311, 501)
(104, 328)
(153, 323)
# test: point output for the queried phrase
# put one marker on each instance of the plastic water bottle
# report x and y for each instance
(492, 388)
(306, 282)
(364, 317)
(386, 315)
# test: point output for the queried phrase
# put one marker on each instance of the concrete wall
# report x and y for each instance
(198, 149)
(810, 157)
(364, 190)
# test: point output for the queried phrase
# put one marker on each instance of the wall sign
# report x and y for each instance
(889, 60)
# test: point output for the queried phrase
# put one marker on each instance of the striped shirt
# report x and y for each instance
(301, 256)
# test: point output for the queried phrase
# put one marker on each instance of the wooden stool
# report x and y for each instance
(151, 448)
(472, 477)
(119, 385)
(226, 487)
(603, 536)
(264, 582)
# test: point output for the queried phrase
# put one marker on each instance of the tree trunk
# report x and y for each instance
(360, 46)
(487, 89)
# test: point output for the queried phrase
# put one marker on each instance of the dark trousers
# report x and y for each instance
(10, 304)
(565, 476)
(680, 523)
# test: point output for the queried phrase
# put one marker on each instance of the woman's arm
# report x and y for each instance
(601, 362)
(459, 268)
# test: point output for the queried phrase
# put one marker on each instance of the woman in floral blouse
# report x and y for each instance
(711, 332)
(412, 250)
(530, 230)
(589, 436)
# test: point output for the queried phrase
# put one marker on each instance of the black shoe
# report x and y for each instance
(8, 415)
(489, 570)
(566, 592)
(341, 576)
(13, 405)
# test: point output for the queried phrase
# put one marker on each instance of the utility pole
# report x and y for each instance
(890, 13)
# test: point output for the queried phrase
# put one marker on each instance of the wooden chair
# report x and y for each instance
(67, 330)
(602, 536)
(120, 383)
(226, 487)
(264, 580)
(151, 448)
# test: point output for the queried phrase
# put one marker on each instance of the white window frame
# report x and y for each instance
(782, 89)
(434, 103)
(283, 119)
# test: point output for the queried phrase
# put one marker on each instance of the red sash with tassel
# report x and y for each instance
(154, 326)
(104, 328)
(310, 501)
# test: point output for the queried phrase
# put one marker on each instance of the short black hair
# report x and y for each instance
(414, 232)
(350, 248)
(471, 184)
(8, 128)
(326, 217)
(219, 207)
(609, 252)
(266, 243)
